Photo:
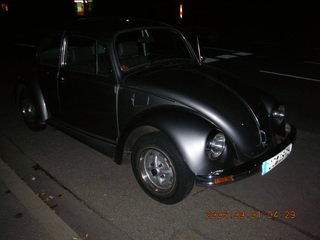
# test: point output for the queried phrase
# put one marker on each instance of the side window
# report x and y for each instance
(131, 49)
(167, 43)
(49, 50)
(104, 66)
(81, 54)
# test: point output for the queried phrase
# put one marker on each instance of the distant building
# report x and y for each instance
(4, 7)
(83, 7)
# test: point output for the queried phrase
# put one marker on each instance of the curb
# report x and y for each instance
(45, 217)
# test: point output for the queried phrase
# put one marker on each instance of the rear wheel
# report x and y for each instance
(160, 169)
(29, 111)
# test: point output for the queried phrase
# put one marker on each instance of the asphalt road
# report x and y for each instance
(101, 200)
(294, 79)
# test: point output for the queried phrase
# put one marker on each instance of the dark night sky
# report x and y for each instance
(260, 19)
(200, 11)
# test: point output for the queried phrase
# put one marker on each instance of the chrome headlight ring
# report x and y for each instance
(215, 146)
(278, 114)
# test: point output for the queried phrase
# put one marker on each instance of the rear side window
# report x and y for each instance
(49, 50)
(104, 65)
(81, 54)
(87, 55)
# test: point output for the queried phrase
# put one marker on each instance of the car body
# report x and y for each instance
(135, 90)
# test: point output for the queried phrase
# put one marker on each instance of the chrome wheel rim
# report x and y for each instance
(157, 171)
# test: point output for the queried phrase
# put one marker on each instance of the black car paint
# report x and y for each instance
(187, 101)
(89, 96)
(211, 98)
(171, 93)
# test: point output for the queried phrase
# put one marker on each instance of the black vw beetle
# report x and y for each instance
(135, 90)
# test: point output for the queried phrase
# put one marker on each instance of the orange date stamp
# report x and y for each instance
(237, 214)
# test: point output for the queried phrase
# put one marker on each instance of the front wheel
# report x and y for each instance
(160, 169)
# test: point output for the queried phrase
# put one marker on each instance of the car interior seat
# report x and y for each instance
(129, 54)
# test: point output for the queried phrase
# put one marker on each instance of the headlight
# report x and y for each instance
(278, 114)
(215, 146)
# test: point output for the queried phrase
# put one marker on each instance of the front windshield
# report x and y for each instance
(140, 47)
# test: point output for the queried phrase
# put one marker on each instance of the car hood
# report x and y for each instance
(228, 105)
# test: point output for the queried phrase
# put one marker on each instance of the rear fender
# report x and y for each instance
(35, 91)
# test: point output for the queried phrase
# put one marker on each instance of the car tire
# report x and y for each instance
(160, 169)
(29, 111)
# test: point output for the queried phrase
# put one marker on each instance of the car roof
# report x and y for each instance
(106, 27)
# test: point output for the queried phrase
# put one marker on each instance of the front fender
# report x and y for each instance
(187, 130)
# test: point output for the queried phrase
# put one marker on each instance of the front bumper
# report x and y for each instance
(246, 169)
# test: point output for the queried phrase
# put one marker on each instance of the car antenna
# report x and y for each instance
(199, 52)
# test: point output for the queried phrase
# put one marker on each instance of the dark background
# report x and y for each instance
(293, 24)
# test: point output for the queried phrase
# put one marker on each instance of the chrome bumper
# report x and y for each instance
(246, 169)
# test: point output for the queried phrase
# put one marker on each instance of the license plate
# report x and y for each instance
(274, 161)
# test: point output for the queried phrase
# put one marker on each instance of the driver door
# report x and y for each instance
(87, 87)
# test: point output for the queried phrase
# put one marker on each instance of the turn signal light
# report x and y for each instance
(223, 179)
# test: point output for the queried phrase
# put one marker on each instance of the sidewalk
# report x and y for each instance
(62, 203)
(23, 215)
